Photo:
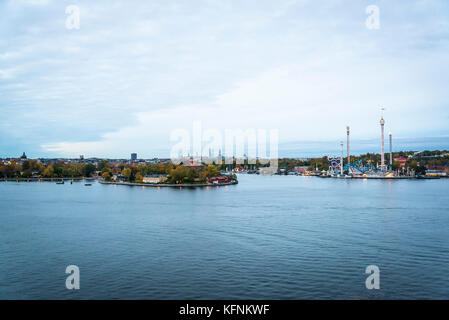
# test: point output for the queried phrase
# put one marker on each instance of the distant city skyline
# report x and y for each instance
(297, 149)
(135, 71)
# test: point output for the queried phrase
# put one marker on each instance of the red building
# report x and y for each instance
(402, 161)
(301, 169)
(221, 179)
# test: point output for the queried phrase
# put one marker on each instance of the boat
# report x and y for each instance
(88, 184)
(60, 182)
(427, 177)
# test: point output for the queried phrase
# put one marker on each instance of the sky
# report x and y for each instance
(136, 71)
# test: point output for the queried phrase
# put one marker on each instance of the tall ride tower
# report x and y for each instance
(382, 154)
(341, 158)
(348, 145)
(391, 151)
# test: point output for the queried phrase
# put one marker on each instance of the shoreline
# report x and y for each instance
(44, 179)
(183, 185)
(384, 178)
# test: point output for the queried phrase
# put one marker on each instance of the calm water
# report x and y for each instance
(268, 237)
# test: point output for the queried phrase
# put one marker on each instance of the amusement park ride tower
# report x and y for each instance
(348, 145)
(364, 167)
(391, 151)
(341, 158)
(382, 154)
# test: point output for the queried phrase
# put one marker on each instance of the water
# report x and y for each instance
(279, 237)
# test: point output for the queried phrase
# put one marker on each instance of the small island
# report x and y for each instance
(131, 173)
(167, 175)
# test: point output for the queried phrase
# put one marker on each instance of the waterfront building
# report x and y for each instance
(301, 169)
(133, 156)
(155, 178)
(221, 179)
(119, 177)
(193, 165)
(267, 170)
(436, 173)
(402, 161)
(443, 168)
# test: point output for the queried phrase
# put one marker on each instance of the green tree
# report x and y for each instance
(182, 174)
(88, 170)
(27, 173)
(396, 165)
(104, 164)
(420, 170)
(412, 164)
(127, 172)
(27, 165)
(57, 169)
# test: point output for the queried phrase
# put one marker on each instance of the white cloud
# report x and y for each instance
(306, 67)
(311, 101)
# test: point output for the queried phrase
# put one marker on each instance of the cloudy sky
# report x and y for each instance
(135, 71)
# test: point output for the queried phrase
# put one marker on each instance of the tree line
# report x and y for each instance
(53, 170)
(176, 174)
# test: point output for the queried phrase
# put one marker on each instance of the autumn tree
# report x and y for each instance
(182, 174)
(209, 172)
(127, 173)
(48, 172)
(106, 176)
